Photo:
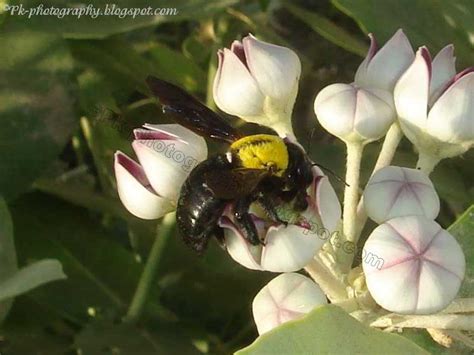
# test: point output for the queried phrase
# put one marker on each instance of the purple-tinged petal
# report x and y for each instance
(135, 190)
(444, 71)
(451, 117)
(387, 65)
(411, 93)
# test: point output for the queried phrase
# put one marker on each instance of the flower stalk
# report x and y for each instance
(427, 162)
(351, 199)
(142, 292)
(332, 287)
(437, 321)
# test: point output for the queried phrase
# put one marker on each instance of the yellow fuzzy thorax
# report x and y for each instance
(262, 151)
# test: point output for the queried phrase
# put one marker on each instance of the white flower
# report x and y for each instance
(258, 81)
(395, 192)
(287, 248)
(167, 154)
(435, 106)
(286, 297)
(363, 111)
(412, 265)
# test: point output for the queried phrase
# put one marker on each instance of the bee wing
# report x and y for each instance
(234, 183)
(191, 113)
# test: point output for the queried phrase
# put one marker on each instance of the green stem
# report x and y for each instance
(149, 272)
(351, 199)
(389, 147)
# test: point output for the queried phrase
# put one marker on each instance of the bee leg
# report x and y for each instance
(301, 201)
(244, 220)
(268, 204)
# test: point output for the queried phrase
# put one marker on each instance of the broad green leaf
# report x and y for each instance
(426, 22)
(36, 105)
(30, 277)
(329, 330)
(123, 15)
(463, 230)
(8, 262)
(329, 30)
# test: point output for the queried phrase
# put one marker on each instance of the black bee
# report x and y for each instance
(262, 168)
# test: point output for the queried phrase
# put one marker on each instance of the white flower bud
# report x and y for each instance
(396, 192)
(412, 265)
(435, 106)
(363, 111)
(285, 298)
(354, 114)
(167, 154)
(287, 248)
(258, 82)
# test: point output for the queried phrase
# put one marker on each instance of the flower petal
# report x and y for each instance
(328, 205)
(239, 249)
(165, 164)
(286, 297)
(444, 70)
(196, 145)
(360, 76)
(388, 64)
(135, 191)
(276, 69)
(451, 117)
(289, 248)
(235, 90)
(412, 93)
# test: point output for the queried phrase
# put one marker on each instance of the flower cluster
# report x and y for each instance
(410, 264)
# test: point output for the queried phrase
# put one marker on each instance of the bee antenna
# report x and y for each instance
(310, 138)
(331, 172)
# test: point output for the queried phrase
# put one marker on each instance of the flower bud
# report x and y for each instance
(285, 298)
(435, 106)
(258, 81)
(412, 265)
(167, 154)
(363, 111)
(287, 248)
(396, 192)
(354, 114)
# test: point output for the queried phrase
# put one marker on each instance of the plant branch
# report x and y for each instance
(140, 297)
(438, 321)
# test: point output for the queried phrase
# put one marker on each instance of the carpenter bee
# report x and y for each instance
(261, 168)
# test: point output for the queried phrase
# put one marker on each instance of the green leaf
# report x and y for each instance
(36, 105)
(8, 262)
(426, 22)
(30, 277)
(101, 273)
(329, 330)
(95, 24)
(129, 339)
(463, 230)
(329, 30)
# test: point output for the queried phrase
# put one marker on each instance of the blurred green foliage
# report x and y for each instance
(72, 90)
